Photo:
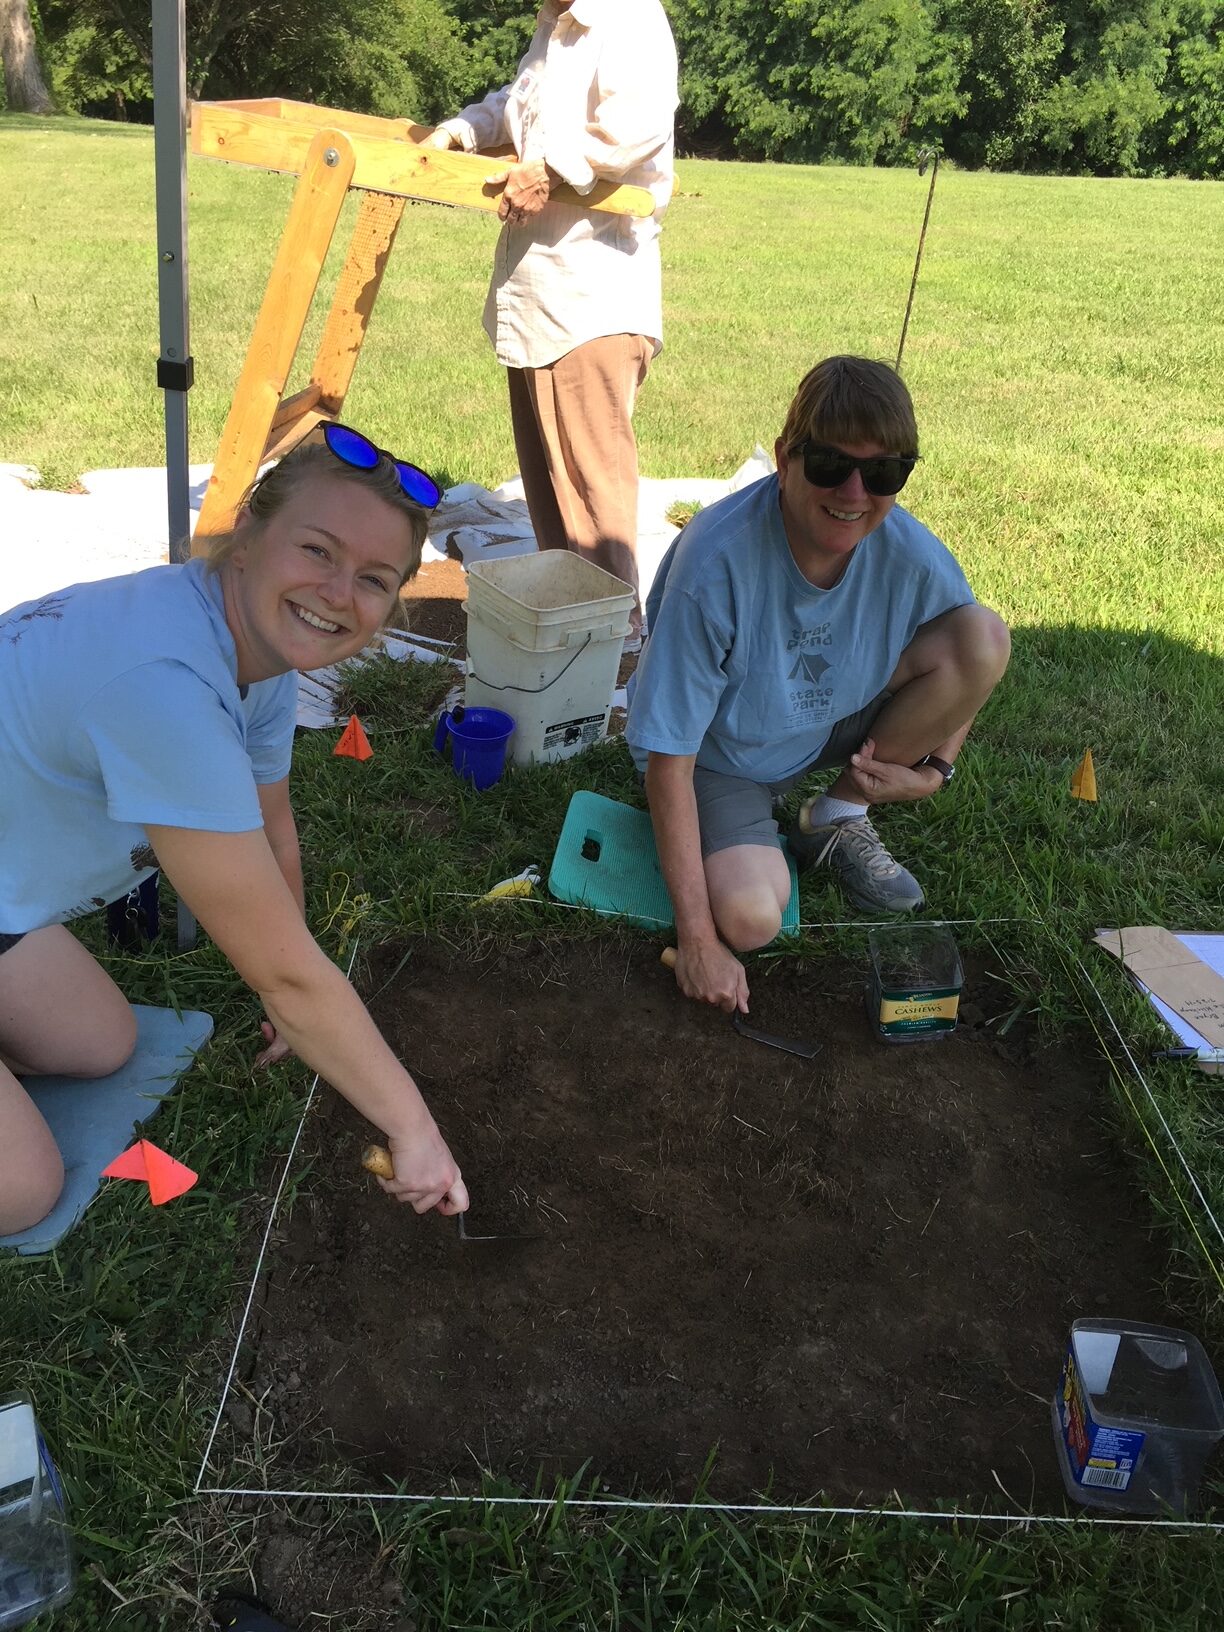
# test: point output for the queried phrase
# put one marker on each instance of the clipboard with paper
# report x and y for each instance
(1183, 975)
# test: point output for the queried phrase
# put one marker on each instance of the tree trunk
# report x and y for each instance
(23, 81)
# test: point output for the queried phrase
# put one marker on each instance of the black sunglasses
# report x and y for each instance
(358, 451)
(883, 475)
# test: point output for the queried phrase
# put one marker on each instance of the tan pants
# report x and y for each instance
(573, 433)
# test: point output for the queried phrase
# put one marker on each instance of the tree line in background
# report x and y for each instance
(1105, 87)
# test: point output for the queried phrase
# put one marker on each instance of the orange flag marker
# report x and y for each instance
(165, 1177)
(354, 744)
(1083, 779)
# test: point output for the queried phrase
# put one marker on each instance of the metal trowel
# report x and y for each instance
(376, 1159)
(788, 1045)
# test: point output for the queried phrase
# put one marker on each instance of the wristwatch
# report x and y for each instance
(941, 765)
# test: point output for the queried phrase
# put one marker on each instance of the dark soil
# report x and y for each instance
(432, 602)
(847, 1277)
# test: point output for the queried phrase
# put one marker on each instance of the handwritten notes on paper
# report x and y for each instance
(1186, 985)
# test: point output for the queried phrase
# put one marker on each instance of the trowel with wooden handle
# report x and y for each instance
(376, 1159)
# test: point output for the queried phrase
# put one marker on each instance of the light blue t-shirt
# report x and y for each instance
(120, 706)
(748, 665)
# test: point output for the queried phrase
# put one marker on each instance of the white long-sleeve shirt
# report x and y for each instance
(595, 97)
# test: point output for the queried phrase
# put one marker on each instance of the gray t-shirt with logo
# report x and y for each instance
(748, 665)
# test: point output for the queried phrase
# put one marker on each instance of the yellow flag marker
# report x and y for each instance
(1083, 779)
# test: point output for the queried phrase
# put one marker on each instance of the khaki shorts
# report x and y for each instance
(732, 810)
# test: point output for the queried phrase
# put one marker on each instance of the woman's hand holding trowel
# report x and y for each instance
(414, 1178)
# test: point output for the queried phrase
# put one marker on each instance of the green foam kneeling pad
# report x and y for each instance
(606, 860)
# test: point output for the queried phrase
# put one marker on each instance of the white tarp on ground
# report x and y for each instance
(118, 523)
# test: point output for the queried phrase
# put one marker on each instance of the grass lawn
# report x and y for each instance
(1065, 355)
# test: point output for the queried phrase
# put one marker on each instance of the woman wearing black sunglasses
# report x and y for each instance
(147, 721)
(804, 624)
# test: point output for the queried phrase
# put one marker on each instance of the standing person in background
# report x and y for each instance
(575, 304)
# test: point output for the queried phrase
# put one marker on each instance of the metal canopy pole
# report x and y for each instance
(175, 367)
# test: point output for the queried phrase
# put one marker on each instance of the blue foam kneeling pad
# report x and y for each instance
(92, 1118)
(606, 859)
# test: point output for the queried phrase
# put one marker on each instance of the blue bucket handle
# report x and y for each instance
(445, 721)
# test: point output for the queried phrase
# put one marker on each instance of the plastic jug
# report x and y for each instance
(1136, 1417)
(913, 991)
(36, 1564)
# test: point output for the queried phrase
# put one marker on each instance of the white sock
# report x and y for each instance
(824, 810)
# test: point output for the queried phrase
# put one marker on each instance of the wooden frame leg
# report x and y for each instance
(369, 251)
(317, 202)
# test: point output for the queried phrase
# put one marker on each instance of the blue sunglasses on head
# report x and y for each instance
(358, 451)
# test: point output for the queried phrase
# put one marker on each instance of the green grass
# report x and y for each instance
(1065, 354)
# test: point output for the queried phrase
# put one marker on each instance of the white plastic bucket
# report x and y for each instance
(544, 639)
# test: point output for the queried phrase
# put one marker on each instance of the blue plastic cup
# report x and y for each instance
(478, 738)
